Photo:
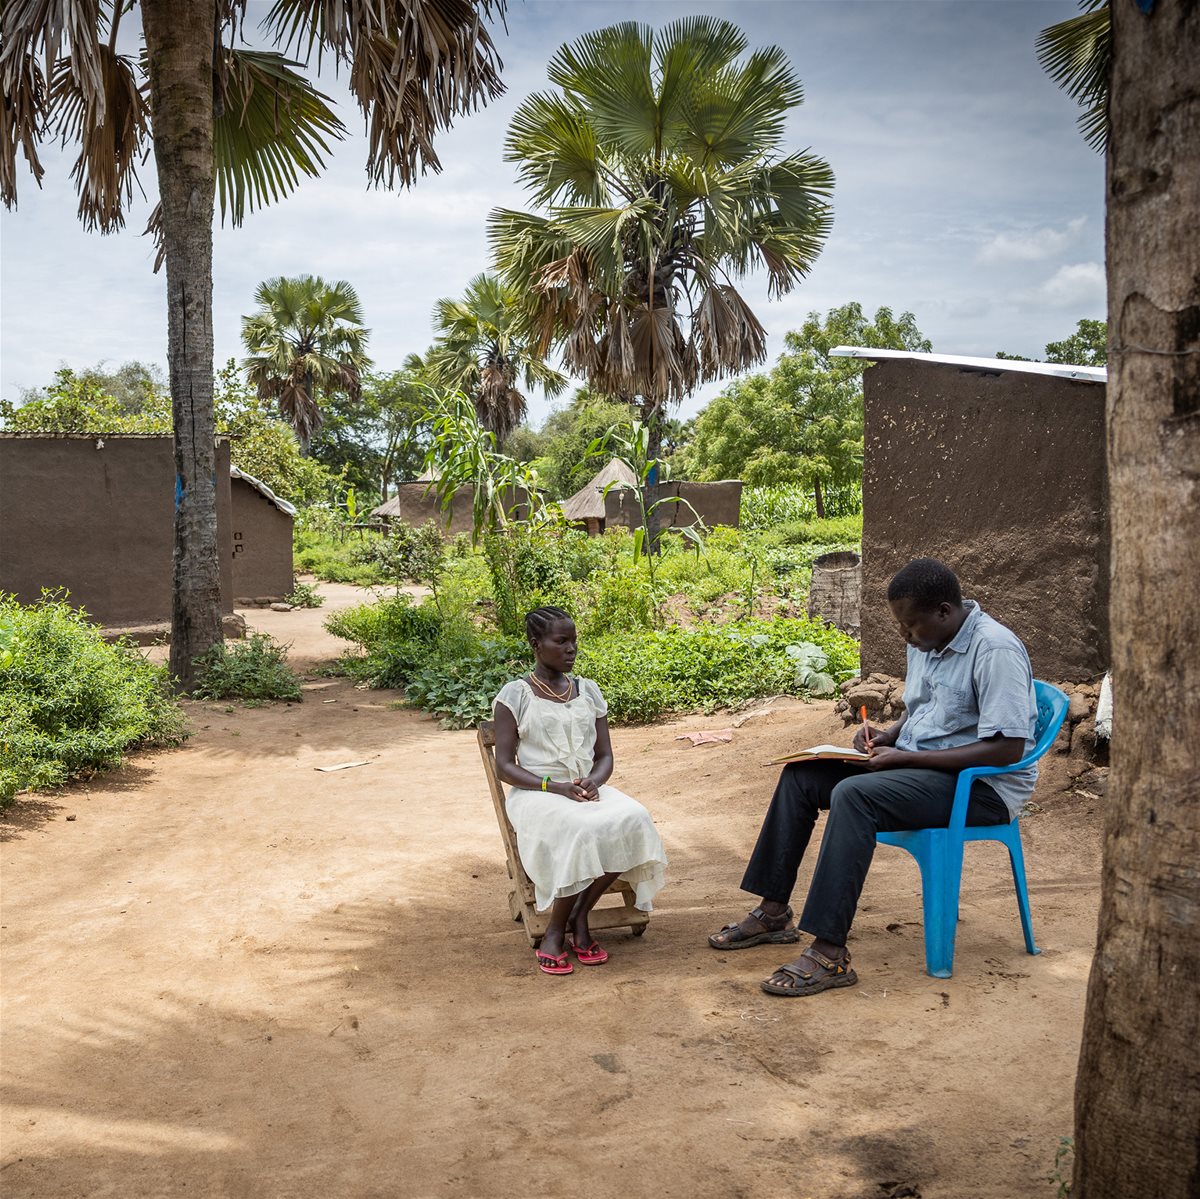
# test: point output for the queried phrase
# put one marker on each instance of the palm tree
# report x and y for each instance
(224, 122)
(306, 342)
(482, 349)
(658, 170)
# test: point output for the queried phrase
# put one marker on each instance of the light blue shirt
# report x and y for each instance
(979, 686)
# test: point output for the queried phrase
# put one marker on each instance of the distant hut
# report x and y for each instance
(586, 506)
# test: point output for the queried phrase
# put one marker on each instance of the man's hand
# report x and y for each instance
(885, 757)
(878, 737)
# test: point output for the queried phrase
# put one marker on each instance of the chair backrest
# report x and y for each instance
(1051, 711)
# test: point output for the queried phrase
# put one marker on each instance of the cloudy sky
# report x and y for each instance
(964, 194)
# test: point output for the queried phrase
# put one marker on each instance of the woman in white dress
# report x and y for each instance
(575, 834)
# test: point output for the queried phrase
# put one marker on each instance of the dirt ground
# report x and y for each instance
(233, 975)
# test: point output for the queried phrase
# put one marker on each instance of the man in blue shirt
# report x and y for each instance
(969, 702)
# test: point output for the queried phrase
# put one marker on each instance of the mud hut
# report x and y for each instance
(998, 468)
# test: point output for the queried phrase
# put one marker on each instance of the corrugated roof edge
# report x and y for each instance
(1085, 374)
(262, 488)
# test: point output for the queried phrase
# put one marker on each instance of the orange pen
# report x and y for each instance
(866, 727)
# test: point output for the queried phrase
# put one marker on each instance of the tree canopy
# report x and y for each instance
(1086, 346)
(307, 342)
(658, 170)
(482, 348)
(803, 422)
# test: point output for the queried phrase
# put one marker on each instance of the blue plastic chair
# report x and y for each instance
(939, 851)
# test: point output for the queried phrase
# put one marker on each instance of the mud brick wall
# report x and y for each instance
(262, 544)
(417, 503)
(96, 515)
(715, 503)
(1003, 476)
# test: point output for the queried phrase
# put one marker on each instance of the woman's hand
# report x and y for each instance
(580, 790)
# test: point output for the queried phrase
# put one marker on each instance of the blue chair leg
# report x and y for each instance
(1017, 857)
(939, 886)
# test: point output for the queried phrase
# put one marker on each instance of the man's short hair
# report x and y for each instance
(927, 582)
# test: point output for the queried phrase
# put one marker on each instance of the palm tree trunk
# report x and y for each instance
(652, 415)
(179, 46)
(1137, 1098)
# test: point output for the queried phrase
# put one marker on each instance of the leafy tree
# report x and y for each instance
(306, 342)
(482, 348)
(567, 455)
(1087, 346)
(261, 443)
(131, 384)
(802, 423)
(379, 439)
(658, 171)
(230, 123)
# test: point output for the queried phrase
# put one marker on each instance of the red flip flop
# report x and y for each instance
(549, 964)
(593, 955)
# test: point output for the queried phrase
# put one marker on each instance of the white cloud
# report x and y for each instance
(1031, 245)
(1079, 285)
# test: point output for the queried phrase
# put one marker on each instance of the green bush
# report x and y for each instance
(767, 507)
(252, 669)
(396, 636)
(460, 688)
(649, 673)
(70, 702)
(304, 595)
(337, 561)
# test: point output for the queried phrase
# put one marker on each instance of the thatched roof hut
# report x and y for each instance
(587, 503)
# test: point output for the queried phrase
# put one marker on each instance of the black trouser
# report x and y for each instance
(860, 804)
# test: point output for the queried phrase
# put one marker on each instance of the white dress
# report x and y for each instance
(565, 844)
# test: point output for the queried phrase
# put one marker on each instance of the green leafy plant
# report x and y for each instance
(1061, 1174)
(254, 669)
(395, 635)
(303, 595)
(71, 703)
(405, 554)
(810, 663)
(460, 689)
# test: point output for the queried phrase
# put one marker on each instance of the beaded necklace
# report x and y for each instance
(549, 691)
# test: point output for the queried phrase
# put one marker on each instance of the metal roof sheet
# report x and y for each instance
(263, 489)
(1086, 374)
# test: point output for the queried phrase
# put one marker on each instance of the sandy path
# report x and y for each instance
(232, 975)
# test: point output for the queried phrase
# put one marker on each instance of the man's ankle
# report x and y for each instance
(773, 907)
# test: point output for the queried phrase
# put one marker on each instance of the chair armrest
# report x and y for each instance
(962, 792)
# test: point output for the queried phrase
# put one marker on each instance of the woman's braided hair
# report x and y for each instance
(538, 622)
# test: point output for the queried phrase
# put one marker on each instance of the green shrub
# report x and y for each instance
(337, 561)
(304, 595)
(767, 507)
(252, 669)
(70, 702)
(460, 689)
(396, 636)
(648, 673)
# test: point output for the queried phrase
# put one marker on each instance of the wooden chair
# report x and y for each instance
(521, 900)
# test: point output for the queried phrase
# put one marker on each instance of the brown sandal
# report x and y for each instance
(810, 982)
(738, 939)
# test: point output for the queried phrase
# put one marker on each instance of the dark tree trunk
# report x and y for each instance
(652, 415)
(179, 46)
(818, 499)
(1137, 1098)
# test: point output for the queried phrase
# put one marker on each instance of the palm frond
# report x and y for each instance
(557, 149)
(45, 28)
(111, 128)
(273, 129)
(1077, 54)
(607, 72)
(414, 66)
(22, 117)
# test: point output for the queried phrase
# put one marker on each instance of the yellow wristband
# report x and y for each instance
(546, 783)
